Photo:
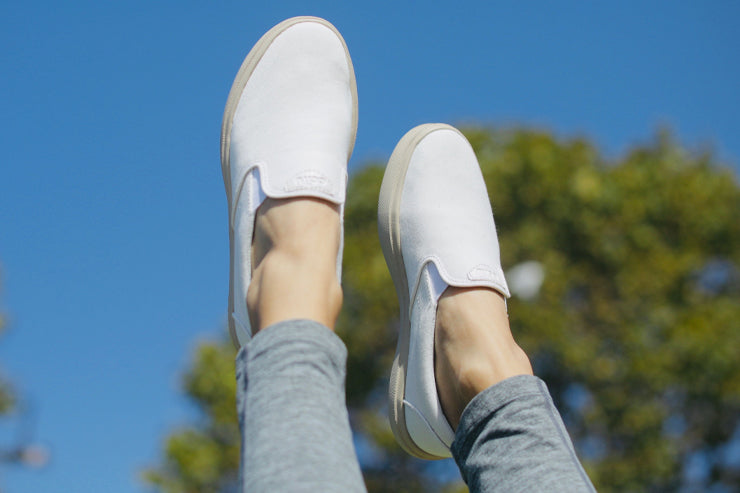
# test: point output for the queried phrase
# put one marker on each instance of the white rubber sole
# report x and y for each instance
(240, 82)
(389, 229)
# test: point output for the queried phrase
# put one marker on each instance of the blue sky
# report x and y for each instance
(113, 228)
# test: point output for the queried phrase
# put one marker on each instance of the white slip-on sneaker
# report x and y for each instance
(436, 228)
(288, 131)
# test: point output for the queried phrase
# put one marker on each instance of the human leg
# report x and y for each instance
(455, 344)
(294, 253)
(292, 411)
(473, 346)
(511, 438)
(288, 131)
(508, 434)
(296, 434)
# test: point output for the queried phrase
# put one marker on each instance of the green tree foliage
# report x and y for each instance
(635, 329)
(204, 457)
(6, 391)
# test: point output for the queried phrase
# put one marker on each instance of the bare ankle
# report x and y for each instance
(295, 252)
(474, 347)
(286, 289)
(301, 227)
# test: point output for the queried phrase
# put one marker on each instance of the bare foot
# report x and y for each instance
(295, 248)
(473, 347)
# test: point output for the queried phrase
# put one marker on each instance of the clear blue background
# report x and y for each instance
(113, 230)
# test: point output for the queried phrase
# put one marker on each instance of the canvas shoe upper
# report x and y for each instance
(437, 230)
(288, 131)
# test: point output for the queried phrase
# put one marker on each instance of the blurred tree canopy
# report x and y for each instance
(7, 399)
(635, 327)
(204, 457)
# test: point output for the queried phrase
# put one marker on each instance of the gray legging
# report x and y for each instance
(296, 434)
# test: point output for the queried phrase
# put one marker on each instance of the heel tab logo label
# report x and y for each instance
(481, 273)
(309, 180)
